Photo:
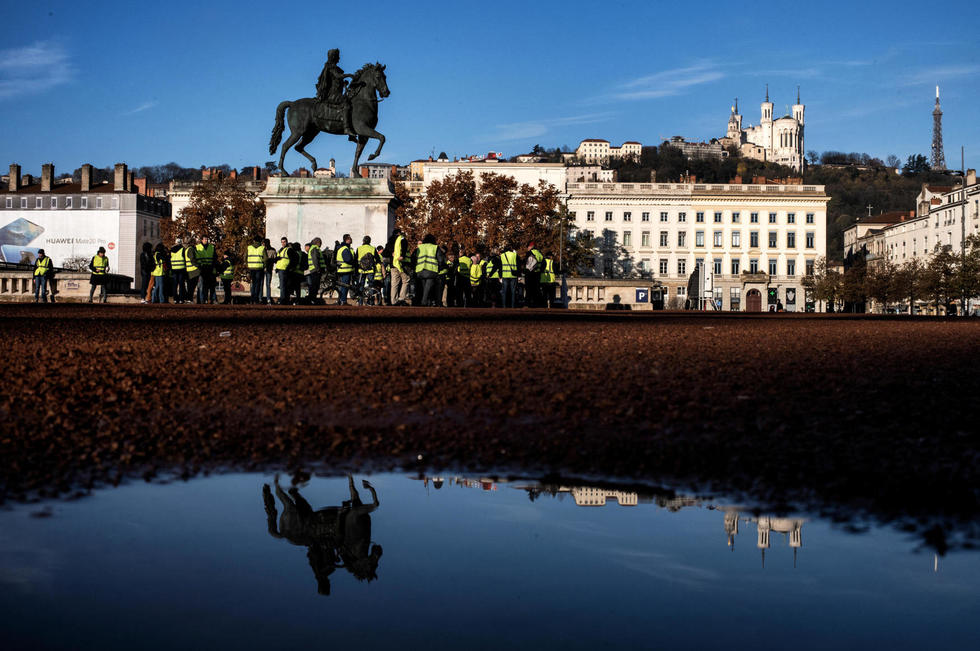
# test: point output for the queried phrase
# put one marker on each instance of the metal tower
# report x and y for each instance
(938, 158)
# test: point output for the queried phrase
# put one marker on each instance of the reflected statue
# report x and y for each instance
(335, 536)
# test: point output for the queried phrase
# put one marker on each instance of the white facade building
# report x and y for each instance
(778, 140)
(529, 173)
(750, 238)
(596, 150)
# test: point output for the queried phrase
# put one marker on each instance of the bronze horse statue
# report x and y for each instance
(307, 117)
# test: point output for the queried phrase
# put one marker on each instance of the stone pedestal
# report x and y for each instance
(303, 208)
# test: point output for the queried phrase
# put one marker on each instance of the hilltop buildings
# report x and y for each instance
(778, 140)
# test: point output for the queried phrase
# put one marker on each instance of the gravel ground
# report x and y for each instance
(878, 415)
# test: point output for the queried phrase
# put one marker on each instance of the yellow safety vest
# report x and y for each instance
(548, 275)
(256, 257)
(282, 262)
(205, 255)
(397, 253)
(159, 270)
(177, 260)
(309, 254)
(540, 258)
(42, 266)
(476, 273)
(101, 264)
(379, 272)
(187, 261)
(463, 265)
(427, 260)
(494, 272)
(344, 267)
(229, 272)
(508, 264)
(362, 251)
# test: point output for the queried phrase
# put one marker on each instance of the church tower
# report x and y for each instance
(798, 111)
(798, 108)
(766, 124)
(735, 124)
(766, 109)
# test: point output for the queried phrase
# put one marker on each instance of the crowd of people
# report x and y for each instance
(426, 274)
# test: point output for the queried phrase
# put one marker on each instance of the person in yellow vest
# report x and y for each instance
(344, 259)
(227, 270)
(193, 272)
(206, 259)
(428, 260)
(315, 264)
(255, 261)
(476, 281)
(42, 272)
(400, 277)
(100, 275)
(380, 274)
(178, 272)
(365, 268)
(464, 294)
(161, 261)
(282, 270)
(549, 279)
(532, 268)
(508, 277)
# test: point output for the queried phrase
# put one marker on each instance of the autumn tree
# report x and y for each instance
(940, 279)
(909, 282)
(879, 283)
(224, 210)
(825, 284)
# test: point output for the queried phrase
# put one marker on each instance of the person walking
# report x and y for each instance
(100, 275)
(161, 260)
(365, 268)
(178, 272)
(146, 271)
(533, 267)
(344, 258)
(400, 278)
(42, 272)
(255, 261)
(428, 260)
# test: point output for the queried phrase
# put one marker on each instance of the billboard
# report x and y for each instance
(63, 234)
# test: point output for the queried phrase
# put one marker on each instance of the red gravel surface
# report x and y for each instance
(869, 411)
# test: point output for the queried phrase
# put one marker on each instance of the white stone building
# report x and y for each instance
(596, 150)
(529, 173)
(750, 238)
(72, 220)
(778, 140)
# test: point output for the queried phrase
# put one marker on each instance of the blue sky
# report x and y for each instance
(198, 83)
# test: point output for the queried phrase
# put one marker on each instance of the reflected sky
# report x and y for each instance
(237, 561)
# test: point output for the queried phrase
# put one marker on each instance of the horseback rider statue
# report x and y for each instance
(331, 88)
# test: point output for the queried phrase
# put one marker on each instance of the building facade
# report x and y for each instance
(524, 173)
(72, 220)
(596, 150)
(777, 140)
(755, 242)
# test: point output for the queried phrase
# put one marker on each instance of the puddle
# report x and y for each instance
(237, 561)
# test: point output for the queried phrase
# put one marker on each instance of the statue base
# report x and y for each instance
(303, 208)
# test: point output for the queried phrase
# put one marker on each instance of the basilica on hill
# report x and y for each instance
(777, 140)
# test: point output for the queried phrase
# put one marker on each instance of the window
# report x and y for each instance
(627, 238)
(772, 218)
(736, 217)
(54, 202)
(587, 234)
(810, 238)
(809, 267)
(682, 238)
(84, 202)
(609, 237)
(571, 215)
(663, 216)
(10, 202)
(717, 217)
(663, 266)
(115, 202)
(773, 239)
(663, 238)
(698, 238)
(644, 264)
(98, 202)
(791, 267)
(735, 265)
(590, 216)
(67, 202)
(682, 291)
(645, 217)
(645, 239)
(809, 218)
(609, 216)
(772, 267)
(718, 241)
(735, 299)
(791, 218)
(753, 266)
(681, 267)
(146, 227)
(736, 239)
(716, 264)
(23, 202)
(682, 217)
(754, 239)
(754, 217)
(790, 240)
(627, 216)
(699, 217)
(38, 202)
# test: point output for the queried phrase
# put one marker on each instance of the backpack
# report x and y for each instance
(366, 263)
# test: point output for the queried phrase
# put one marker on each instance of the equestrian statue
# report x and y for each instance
(339, 108)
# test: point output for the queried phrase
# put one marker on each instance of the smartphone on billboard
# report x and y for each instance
(19, 232)
(25, 255)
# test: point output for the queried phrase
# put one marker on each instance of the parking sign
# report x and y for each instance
(642, 295)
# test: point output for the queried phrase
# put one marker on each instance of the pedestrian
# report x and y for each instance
(282, 270)
(297, 270)
(476, 281)
(178, 272)
(100, 275)
(315, 264)
(549, 279)
(161, 260)
(227, 271)
(255, 261)
(380, 274)
(400, 278)
(384, 257)
(206, 259)
(508, 277)
(270, 269)
(428, 260)
(146, 271)
(533, 266)
(344, 258)
(42, 272)
(193, 272)
(365, 268)
(464, 292)
(447, 278)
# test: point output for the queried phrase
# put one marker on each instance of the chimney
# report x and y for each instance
(129, 180)
(233, 174)
(140, 185)
(971, 177)
(119, 183)
(86, 177)
(14, 183)
(47, 177)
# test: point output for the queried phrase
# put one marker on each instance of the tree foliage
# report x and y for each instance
(225, 211)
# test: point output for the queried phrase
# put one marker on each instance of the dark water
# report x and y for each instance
(208, 564)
